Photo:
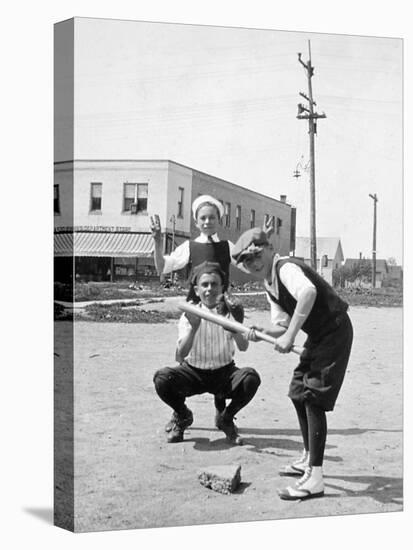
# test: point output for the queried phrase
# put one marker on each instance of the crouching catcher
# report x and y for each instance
(206, 354)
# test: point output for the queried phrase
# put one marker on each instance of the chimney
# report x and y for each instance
(283, 198)
(360, 256)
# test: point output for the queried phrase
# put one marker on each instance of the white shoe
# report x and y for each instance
(311, 485)
(298, 467)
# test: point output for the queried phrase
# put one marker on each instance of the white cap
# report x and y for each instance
(199, 201)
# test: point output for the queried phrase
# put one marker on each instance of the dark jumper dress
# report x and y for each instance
(211, 252)
(319, 375)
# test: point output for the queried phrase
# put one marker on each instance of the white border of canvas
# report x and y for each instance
(27, 382)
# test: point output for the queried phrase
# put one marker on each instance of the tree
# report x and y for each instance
(340, 276)
(359, 272)
(391, 261)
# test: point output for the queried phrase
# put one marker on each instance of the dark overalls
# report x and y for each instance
(319, 375)
(212, 252)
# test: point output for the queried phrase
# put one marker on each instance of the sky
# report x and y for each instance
(224, 101)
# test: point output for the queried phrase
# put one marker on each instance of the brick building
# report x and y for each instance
(102, 212)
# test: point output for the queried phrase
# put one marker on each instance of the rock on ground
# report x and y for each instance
(222, 479)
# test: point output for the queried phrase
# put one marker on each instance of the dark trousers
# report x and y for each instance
(175, 384)
(320, 373)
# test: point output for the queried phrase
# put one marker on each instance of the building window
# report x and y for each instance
(252, 218)
(238, 217)
(278, 226)
(180, 202)
(56, 200)
(227, 214)
(135, 198)
(95, 197)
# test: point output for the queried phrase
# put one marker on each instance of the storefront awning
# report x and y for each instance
(100, 244)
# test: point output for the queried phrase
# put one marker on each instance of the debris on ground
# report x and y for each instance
(222, 479)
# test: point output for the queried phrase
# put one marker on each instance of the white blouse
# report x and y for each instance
(294, 280)
(213, 346)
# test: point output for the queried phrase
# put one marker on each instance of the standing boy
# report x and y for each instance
(302, 299)
(207, 213)
(207, 246)
(205, 351)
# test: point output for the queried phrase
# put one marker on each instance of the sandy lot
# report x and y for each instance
(126, 476)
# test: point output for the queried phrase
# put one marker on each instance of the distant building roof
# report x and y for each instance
(381, 265)
(325, 246)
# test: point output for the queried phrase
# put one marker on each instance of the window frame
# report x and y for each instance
(238, 212)
(56, 200)
(227, 214)
(180, 213)
(136, 198)
(252, 218)
(92, 185)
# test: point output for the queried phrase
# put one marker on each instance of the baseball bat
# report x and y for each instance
(230, 324)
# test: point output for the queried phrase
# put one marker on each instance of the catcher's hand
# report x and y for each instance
(252, 334)
(235, 308)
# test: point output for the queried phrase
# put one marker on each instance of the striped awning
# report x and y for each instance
(99, 244)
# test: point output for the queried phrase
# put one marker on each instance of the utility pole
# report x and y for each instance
(309, 114)
(173, 220)
(375, 199)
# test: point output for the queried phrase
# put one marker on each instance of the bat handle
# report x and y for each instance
(267, 338)
(299, 350)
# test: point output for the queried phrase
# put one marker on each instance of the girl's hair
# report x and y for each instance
(207, 267)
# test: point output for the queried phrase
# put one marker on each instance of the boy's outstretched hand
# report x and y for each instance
(268, 226)
(155, 227)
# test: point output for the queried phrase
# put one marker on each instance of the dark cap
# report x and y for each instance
(207, 267)
(250, 242)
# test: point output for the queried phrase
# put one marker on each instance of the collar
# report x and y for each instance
(204, 239)
(272, 286)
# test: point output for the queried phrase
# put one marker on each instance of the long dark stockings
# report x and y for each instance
(313, 426)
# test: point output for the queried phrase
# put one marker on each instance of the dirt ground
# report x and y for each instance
(127, 476)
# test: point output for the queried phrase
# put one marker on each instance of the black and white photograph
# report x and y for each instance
(243, 173)
(207, 276)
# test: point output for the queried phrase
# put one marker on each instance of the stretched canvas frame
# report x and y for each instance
(113, 469)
